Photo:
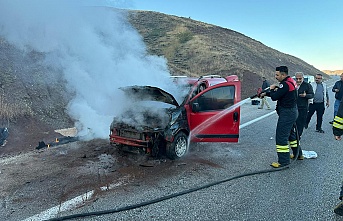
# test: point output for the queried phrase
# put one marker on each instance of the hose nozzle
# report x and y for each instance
(259, 92)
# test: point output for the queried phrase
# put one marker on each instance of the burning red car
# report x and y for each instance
(207, 114)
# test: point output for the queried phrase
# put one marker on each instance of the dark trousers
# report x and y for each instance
(301, 120)
(285, 132)
(319, 108)
(341, 194)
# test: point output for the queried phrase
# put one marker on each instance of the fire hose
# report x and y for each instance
(163, 198)
(259, 92)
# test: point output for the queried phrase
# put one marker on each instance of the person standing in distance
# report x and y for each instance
(337, 130)
(304, 92)
(265, 84)
(320, 99)
(286, 107)
(338, 90)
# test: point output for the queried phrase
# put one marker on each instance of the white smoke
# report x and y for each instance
(95, 48)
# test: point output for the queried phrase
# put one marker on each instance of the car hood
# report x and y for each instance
(149, 93)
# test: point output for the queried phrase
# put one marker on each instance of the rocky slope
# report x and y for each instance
(195, 48)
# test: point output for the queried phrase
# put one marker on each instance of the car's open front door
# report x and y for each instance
(213, 115)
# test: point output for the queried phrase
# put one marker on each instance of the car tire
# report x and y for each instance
(179, 147)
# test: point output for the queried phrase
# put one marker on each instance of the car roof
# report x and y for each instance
(212, 79)
(209, 79)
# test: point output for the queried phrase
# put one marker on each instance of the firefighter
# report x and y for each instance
(286, 96)
(337, 126)
(337, 129)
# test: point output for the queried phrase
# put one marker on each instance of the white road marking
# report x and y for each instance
(255, 120)
(113, 185)
(68, 205)
(75, 202)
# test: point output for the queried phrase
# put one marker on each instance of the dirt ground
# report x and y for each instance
(24, 136)
(49, 176)
(20, 152)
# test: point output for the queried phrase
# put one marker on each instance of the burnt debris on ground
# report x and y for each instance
(56, 142)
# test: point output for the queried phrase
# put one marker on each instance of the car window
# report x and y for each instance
(216, 99)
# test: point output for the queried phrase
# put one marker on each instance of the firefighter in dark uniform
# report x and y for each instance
(286, 107)
(337, 129)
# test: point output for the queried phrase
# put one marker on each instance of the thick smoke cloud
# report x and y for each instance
(94, 47)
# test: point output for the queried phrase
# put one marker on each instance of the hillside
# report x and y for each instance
(33, 97)
(29, 89)
(335, 72)
(195, 48)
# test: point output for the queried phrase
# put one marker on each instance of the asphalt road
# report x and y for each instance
(308, 190)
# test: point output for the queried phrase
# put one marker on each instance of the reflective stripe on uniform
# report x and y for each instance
(338, 122)
(338, 119)
(293, 143)
(337, 125)
(282, 148)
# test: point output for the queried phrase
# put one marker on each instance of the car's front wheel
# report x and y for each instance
(179, 147)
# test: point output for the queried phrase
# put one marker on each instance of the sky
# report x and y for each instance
(307, 29)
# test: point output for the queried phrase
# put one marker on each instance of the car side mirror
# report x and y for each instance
(195, 107)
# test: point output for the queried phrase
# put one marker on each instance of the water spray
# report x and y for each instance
(223, 113)
(215, 118)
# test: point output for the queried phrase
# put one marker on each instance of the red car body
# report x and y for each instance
(207, 114)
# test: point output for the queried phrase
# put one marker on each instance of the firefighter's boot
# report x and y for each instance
(284, 160)
(295, 146)
(300, 155)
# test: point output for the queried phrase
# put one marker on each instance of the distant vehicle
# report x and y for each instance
(307, 78)
(157, 129)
